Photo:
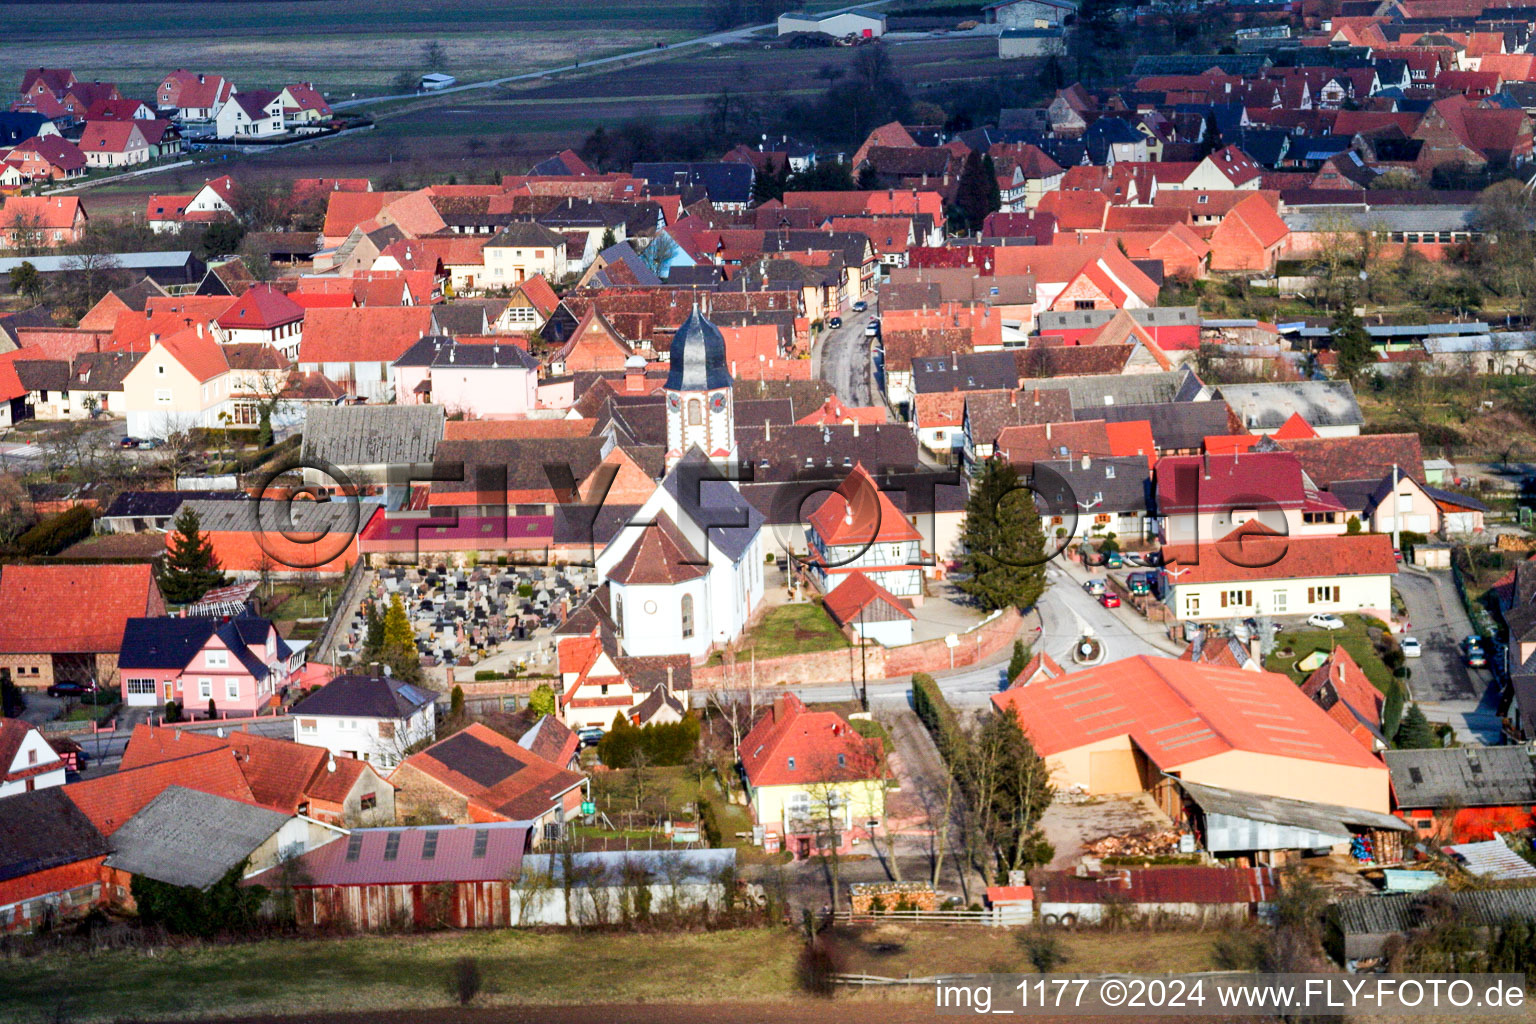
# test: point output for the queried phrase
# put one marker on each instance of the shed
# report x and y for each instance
(436, 81)
(1014, 904)
(1192, 893)
(1232, 822)
(1361, 927)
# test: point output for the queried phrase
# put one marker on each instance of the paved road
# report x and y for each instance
(735, 35)
(843, 359)
(1445, 689)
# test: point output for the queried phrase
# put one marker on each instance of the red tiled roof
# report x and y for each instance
(43, 212)
(540, 294)
(1255, 552)
(857, 592)
(469, 763)
(110, 800)
(661, 555)
(860, 513)
(261, 308)
(367, 334)
(1178, 712)
(108, 136)
(67, 609)
(792, 745)
(1217, 482)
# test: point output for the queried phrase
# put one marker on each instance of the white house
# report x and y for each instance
(1256, 571)
(371, 718)
(27, 762)
(250, 115)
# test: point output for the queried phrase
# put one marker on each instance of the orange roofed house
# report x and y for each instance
(43, 221)
(814, 782)
(479, 775)
(1122, 727)
(65, 622)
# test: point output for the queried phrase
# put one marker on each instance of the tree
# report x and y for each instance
(1415, 732)
(1392, 711)
(434, 57)
(1009, 787)
(1351, 345)
(456, 703)
(398, 649)
(542, 700)
(973, 193)
(1019, 660)
(1004, 561)
(191, 568)
(26, 281)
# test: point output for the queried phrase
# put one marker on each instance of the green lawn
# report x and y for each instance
(1352, 638)
(792, 629)
(396, 972)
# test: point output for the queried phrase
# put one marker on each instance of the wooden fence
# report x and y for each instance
(982, 917)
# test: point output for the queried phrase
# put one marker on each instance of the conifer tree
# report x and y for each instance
(191, 568)
(1004, 561)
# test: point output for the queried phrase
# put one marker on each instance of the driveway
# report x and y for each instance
(844, 361)
(1445, 688)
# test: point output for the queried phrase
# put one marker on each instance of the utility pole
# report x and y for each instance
(1397, 514)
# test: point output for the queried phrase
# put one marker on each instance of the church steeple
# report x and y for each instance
(700, 412)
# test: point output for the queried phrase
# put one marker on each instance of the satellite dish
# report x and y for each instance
(330, 764)
(220, 732)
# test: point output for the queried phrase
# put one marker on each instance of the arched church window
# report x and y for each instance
(687, 616)
(695, 412)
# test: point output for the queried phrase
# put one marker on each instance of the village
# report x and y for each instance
(1093, 538)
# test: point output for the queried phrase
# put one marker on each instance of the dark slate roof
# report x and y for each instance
(723, 182)
(459, 318)
(1179, 425)
(37, 316)
(44, 829)
(170, 643)
(965, 371)
(434, 350)
(713, 503)
(365, 697)
(19, 127)
(777, 453)
(153, 504)
(698, 356)
(1462, 777)
(103, 371)
(1122, 483)
(43, 374)
(659, 698)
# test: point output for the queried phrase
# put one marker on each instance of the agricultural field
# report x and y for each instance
(343, 46)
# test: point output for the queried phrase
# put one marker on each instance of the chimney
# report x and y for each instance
(1205, 460)
(1254, 649)
(1047, 430)
(669, 678)
(199, 328)
(855, 428)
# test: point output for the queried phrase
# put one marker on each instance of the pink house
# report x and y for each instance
(240, 664)
(481, 380)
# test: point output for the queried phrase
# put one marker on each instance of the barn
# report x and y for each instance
(429, 876)
(1202, 894)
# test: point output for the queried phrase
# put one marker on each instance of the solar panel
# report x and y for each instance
(429, 846)
(392, 846)
(482, 840)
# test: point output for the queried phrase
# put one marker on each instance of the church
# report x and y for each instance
(686, 572)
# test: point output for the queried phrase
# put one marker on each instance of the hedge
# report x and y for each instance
(56, 533)
(935, 713)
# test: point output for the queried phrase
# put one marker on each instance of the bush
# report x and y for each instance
(672, 743)
(172, 711)
(56, 533)
(935, 713)
(466, 979)
(817, 968)
(709, 824)
(1044, 951)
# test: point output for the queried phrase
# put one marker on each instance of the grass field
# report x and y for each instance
(413, 972)
(792, 629)
(396, 972)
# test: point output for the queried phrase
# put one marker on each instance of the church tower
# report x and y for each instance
(700, 413)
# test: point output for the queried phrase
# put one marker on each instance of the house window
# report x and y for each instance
(1192, 604)
(798, 806)
(218, 659)
(232, 688)
(205, 688)
(163, 396)
(369, 802)
(1082, 304)
(142, 687)
(687, 616)
(386, 730)
(1317, 594)
(791, 764)
(307, 725)
(1102, 518)
(1279, 600)
(1236, 598)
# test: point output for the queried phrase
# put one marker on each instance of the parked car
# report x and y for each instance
(589, 736)
(128, 442)
(860, 306)
(1473, 652)
(835, 322)
(1114, 561)
(1132, 558)
(148, 444)
(1325, 620)
(1397, 554)
(1138, 583)
(1094, 587)
(872, 328)
(1109, 599)
(1411, 648)
(69, 689)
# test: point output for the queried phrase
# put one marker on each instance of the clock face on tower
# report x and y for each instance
(674, 401)
(717, 402)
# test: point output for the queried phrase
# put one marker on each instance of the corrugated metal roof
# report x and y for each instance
(1493, 859)
(418, 854)
(1375, 915)
(1164, 885)
(185, 837)
(373, 435)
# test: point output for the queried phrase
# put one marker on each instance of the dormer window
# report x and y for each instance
(791, 764)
